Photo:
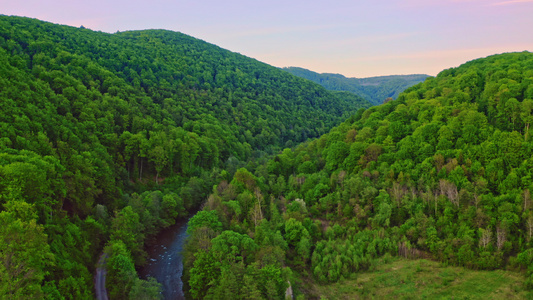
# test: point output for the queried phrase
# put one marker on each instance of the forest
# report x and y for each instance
(376, 89)
(443, 173)
(105, 139)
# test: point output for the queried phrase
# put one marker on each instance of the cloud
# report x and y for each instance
(510, 2)
(473, 53)
(273, 31)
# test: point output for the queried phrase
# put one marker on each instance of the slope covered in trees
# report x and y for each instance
(107, 138)
(443, 172)
(374, 89)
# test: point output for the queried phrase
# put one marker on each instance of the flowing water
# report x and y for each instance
(165, 260)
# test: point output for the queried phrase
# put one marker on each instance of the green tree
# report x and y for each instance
(24, 252)
(127, 228)
(121, 270)
(145, 289)
(526, 113)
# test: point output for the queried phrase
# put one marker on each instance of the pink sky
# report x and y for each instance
(353, 38)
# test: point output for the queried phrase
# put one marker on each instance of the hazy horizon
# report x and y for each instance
(351, 38)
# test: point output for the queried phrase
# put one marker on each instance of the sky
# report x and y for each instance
(350, 37)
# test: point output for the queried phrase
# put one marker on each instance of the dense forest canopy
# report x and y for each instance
(107, 138)
(374, 89)
(443, 172)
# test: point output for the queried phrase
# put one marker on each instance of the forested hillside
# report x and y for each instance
(107, 138)
(374, 89)
(444, 172)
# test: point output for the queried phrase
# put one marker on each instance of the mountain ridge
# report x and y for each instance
(375, 89)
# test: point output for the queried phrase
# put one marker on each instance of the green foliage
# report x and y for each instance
(227, 270)
(107, 138)
(127, 228)
(121, 270)
(145, 289)
(338, 258)
(111, 137)
(24, 253)
(442, 172)
(204, 219)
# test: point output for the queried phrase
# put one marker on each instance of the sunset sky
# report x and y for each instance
(353, 38)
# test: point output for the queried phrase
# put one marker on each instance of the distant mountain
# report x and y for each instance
(374, 89)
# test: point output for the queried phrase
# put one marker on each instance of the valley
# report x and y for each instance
(375, 89)
(395, 186)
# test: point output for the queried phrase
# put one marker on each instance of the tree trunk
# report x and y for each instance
(141, 169)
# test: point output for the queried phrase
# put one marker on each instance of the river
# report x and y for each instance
(165, 260)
